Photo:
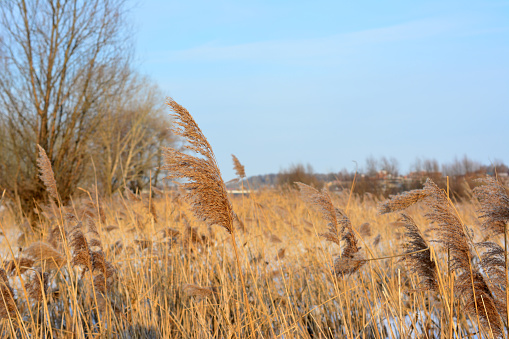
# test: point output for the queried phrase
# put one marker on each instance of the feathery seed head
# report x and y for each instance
(46, 173)
(494, 201)
(205, 189)
(7, 303)
(418, 258)
(238, 167)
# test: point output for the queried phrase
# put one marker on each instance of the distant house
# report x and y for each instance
(239, 192)
(424, 174)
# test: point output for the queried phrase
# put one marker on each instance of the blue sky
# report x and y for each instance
(332, 82)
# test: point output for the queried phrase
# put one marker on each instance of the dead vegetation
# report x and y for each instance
(295, 263)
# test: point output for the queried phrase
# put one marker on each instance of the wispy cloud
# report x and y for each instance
(310, 48)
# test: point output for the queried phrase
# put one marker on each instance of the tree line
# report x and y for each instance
(382, 177)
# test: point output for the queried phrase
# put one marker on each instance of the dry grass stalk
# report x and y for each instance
(152, 209)
(418, 258)
(117, 247)
(157, 191)
(307, 223)
(206, 192)
(148, 205)
(46, 173)
(238, 167)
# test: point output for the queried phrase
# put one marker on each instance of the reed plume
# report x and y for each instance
(93, 209)
(130, 195)
(193, 290)
(22, 263)
(350, 260)
(105, 278)
(494, 202)
(346, 265)
(44, 255)
(448, 227)
(148, 205)
(46, 173)
(418, 258)
(111, 228)
(322, 202)
(470, 282)
(238, 167)
(281, 254)
(365, 230)
(451, 235)
(37, 285)
(206, 191)
(54, 237)
(402, 201)
(169, 232)
(377, 240)
(493, 263)
(7, 303)
(239, 223)
(79, 246)
(494, 212)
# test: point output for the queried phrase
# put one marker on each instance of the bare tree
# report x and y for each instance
(128, 146)
(372, 167)
(298, 173)
(431, 166)
(426, 165)
(464, 166)
(59, 61)
(390, 166)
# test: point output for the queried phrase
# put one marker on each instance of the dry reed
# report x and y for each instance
(238, 167)
(46, 173)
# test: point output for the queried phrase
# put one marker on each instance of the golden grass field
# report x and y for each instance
(176, 277)
(193, 261)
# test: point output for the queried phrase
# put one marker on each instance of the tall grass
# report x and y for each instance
(304, 264)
